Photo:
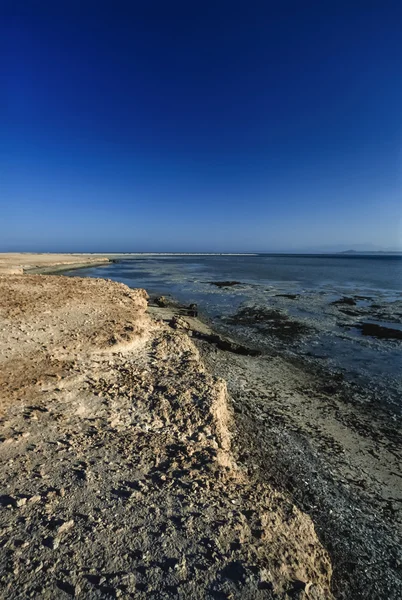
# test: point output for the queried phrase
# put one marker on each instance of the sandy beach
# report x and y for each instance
(14, 263)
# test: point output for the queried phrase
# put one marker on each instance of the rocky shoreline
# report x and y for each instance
(121, 469)
(100, 437)
(325, 443)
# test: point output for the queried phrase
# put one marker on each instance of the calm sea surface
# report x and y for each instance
(374, 282)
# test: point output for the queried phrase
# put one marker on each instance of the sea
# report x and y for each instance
(330, 295)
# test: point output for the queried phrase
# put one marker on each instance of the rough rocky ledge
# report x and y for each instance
(117, 471)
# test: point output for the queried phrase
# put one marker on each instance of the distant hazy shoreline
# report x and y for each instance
(348, 253)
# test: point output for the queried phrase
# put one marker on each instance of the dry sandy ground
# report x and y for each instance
(20, 262)
(119, 473)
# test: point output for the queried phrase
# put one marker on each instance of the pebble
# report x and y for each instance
(65, 527)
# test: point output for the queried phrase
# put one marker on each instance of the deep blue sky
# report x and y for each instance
(200, 126)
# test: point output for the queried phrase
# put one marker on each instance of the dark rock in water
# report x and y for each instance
(237, 348)
(329, 389)
(350, 313)
(255, 314)
(270, 321)
(380, 331)
(224, 283)
(290, 296)
(161, 301)
(225, 344)
(344, 325)
(345, 300)
(193, 310)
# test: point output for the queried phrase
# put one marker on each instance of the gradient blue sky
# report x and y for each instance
(200, 126)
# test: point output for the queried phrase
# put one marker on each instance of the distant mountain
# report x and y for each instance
(344, 249)
(371, 252)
